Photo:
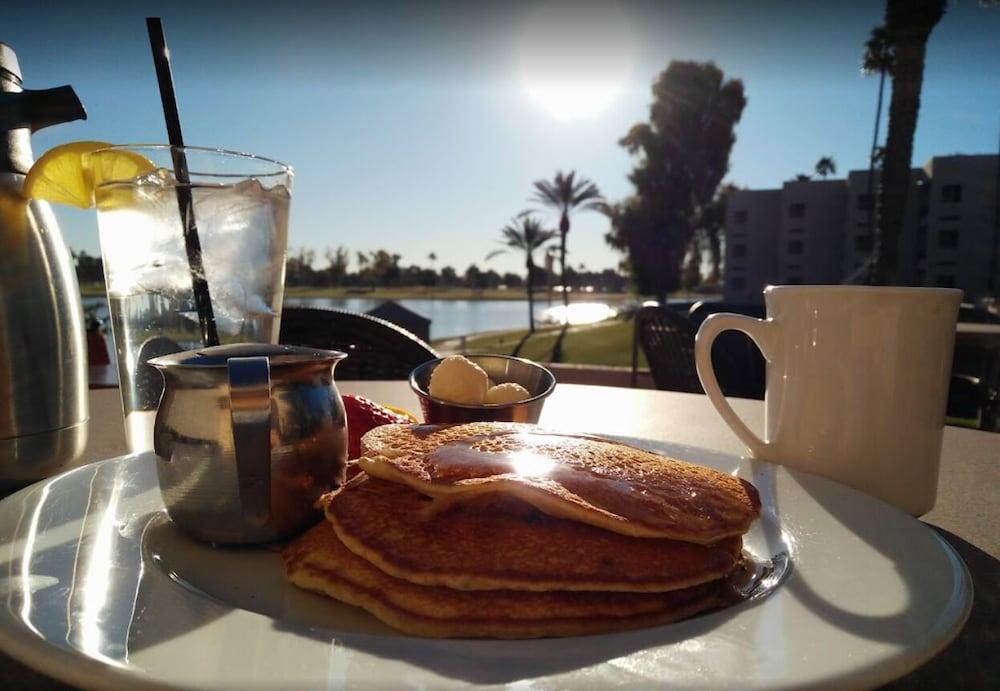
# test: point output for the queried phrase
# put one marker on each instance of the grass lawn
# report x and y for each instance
(607, 343)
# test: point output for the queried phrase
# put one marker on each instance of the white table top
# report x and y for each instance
(967, 512)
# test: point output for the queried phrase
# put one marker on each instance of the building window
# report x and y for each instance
(797, 211)
(863, 243)
(739, 250)
(949, 218)
(796, 247)
(795, 280)
(795, 267)
(920, 277)
(948, 239)
(864, 202)
(795, 231)
(739, 217)
(738, 269)
(951, 194)
(737, 282)
(946, 281)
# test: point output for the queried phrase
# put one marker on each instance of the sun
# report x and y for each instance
(575, 57)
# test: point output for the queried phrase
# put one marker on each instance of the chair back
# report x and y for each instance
(376, 348)
(747, 368)
(667, 340)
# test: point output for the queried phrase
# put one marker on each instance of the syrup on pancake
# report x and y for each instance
(605, 483)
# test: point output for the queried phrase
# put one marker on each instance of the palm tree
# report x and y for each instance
(909, 24)
(564, 194)
(826, 166)
(525, 233)
(876, 58)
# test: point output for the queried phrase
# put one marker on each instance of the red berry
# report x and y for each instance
(362, 415)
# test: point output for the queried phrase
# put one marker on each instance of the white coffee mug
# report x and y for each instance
(857, 384)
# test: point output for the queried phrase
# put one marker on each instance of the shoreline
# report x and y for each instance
(91, 290)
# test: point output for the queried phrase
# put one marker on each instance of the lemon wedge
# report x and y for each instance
(67, 174)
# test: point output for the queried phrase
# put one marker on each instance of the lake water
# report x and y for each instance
(448, 317)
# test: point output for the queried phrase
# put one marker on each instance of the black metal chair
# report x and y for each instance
(376, 349)
(747, 363)
(974, 393)
(667, 340)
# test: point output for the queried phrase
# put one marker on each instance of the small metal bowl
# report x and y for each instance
(501, 369)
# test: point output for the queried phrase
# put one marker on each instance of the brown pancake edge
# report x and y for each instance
(488, 545)
(446, 613)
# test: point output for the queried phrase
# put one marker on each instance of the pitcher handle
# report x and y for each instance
(761, 332)
(250, 408)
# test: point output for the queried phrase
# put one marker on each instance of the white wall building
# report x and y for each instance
(751, 262)
(817, 231)
(961, 229)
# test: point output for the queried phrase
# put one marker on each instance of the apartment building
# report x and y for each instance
(819, 231)
(961, 224)
(750, 261)
(859, 237)
(810, 238)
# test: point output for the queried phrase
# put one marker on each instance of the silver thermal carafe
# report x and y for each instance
(43, 356)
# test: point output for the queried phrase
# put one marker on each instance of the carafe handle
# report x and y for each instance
(250, 407)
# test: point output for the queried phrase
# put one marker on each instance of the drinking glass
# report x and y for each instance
(240, 205)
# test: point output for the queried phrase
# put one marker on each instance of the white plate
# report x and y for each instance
(100, 590)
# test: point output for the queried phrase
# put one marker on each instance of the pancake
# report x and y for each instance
(492, 543)
(581, 478)
(447, 613)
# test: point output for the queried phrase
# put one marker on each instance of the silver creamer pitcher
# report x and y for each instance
(247, 437)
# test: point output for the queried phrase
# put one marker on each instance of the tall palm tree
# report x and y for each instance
(564, 194)
(525, 233)
(909, 23)
(877, 58)
(826, 166)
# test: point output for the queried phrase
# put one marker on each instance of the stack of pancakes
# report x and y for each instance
(503, 530)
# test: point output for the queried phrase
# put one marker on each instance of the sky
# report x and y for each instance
(420, 127)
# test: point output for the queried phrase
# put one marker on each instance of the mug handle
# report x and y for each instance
(250, 409)
(761, 332)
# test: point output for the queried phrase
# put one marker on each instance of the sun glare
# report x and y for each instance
(575, 58)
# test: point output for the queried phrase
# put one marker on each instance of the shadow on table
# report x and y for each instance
(971, 656)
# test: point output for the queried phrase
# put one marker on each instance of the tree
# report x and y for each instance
(564, 194)
(449, 277)
(708, 235)
(909, 24)
(525, 233)
(337, 264)
(88, 269)
(475, 278)
(878, 57)
(512, 280)
(826, 166)
(683, 155)
(298, 268)
(691, 274)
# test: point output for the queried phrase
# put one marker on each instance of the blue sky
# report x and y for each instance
(410, 125)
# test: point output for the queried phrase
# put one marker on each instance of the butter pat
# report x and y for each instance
(506, 393)
(459, 380)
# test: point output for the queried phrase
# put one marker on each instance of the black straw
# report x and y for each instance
(185, 204)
